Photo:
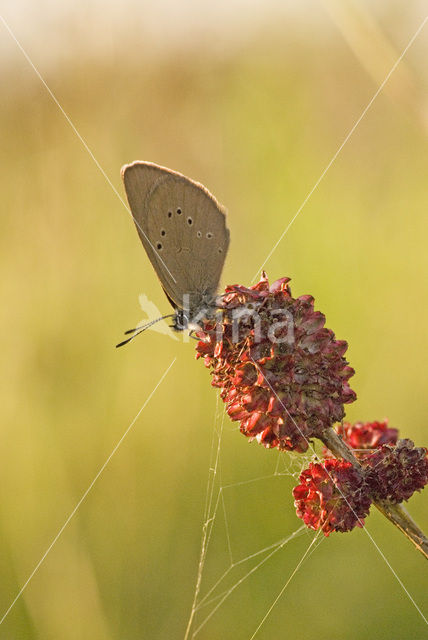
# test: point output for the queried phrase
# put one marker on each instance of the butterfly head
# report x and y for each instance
(195, 311)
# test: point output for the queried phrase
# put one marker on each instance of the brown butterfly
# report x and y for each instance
(183, 230)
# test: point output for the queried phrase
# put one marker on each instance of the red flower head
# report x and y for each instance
(332, 496)
(394, 473)
(365, 435)
(282, 374)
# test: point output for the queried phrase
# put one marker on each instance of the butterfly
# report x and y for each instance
(183, 230)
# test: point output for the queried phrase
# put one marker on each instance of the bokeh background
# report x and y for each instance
(253, 99)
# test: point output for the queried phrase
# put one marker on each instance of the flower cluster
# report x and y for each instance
(363, 437)
(394, 473)
(367, 435)
(389, 470)
(332, 496)
(282, 374)
(284, 377)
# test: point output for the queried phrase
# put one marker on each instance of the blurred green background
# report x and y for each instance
(253, 101)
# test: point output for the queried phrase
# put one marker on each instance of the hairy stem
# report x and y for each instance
(396, 513)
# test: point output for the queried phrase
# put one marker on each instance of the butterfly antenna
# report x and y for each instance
(139, 330)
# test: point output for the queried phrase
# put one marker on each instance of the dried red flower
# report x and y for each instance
(365, 435)
(332, 496)
(282, 374)
(394, 473)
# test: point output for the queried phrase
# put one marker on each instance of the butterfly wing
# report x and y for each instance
(182, 227)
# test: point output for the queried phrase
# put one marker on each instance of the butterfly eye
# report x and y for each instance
(189, 221)
(209, 235)
(163, 232)
(199, 234)
(159, 246)
(179, 211)
(220, 250)
(169, 214)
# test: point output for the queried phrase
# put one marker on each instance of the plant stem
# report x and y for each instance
(396, 513)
